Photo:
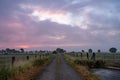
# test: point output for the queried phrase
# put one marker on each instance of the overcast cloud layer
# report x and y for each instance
(69, 24)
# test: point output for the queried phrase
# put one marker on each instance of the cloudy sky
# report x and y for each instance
(68, 24)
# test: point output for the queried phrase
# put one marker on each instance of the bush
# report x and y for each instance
(90, 63)
(38, 62)
(99, 64)
(5, 73)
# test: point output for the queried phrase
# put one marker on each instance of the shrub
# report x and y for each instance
(90, 63)
(5, 73)
(38, 62)
(99, 64)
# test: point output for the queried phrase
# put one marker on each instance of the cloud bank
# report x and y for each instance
(69, 24)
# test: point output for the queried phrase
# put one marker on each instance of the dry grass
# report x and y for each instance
(82, 70)
(85, 73)
(31, 73)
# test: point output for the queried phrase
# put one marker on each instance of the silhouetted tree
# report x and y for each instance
(59, 50)
(8, 51)
(90, 50)
(83, 51)
(113, 50)
(99, 51)
(22, 50)
(54, 52)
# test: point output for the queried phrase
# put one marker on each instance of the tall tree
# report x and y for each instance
(113, 50)
(90, 50)
(83, 51)
(22, 50)
(59, 50)
(8, 51)
(99, 50)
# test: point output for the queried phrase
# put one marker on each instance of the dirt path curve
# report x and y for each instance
(59, 70)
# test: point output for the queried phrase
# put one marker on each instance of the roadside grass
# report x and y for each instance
(5, 73)
(37, 66)
(25, 72)
(83, 70)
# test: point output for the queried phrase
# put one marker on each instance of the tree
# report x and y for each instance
(99, 51)
(83, 51)
(59, 50)
(90, 50)
(8, 51)
(22, 50)
(54, 52)
(113, 50)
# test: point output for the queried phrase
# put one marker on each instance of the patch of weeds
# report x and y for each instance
(38, 62)
(5, 73)
(99, 64)
(90, 63)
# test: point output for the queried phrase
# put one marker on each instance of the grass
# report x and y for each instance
(26, 71)
(83, 70)
(30, 72)
(38, 62)
(85, 73)
(5, 73)
(91, 63)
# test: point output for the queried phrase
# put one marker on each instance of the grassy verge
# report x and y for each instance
(83, 70)
(26, 72)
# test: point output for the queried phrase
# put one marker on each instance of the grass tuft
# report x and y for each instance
(5, 73)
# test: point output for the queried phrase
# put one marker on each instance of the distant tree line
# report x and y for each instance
(22, 51)
(11, 51)
(58, 50)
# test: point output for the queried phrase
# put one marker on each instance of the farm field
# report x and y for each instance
(109, 58)
(58, 64)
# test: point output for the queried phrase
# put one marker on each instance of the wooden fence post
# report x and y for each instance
(13, 60)
(87, 56)
(94, 56)
(81, 55)
(40, 56)
(27, 57)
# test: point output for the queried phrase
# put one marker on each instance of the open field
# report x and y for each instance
(109, 58)
(22, 66)
(32, 64)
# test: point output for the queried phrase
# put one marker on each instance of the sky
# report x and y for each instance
(69, 24)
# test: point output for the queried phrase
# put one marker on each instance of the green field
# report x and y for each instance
(109, 58)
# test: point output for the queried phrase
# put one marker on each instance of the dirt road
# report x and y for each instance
(59, 70)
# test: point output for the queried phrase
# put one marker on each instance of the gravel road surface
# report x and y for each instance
(59, 70)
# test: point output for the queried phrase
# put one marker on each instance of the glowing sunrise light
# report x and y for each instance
(23, 46)
(59, 17)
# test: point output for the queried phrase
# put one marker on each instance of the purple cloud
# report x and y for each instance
(66, 23)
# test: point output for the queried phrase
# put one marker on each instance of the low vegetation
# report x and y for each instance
(5, 73)
(82, 67)
(91, 63)
(25, 72)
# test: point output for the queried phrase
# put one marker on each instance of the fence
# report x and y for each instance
(109, 58)
(14, 60)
